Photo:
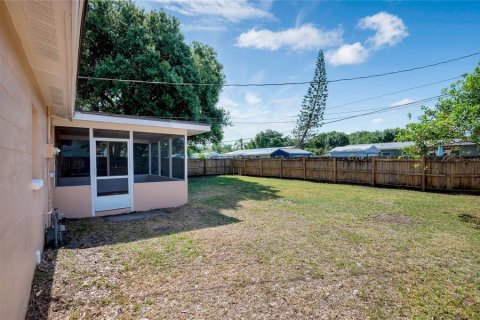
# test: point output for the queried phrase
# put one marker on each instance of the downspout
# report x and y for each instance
(50, 162)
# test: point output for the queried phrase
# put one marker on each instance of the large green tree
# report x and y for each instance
(122, 41)
(268, 139)
(323, 142)
(313, 105)
(456, 115)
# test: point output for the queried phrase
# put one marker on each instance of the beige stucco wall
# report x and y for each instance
(21, 209)
(74, 201)
(155, 195)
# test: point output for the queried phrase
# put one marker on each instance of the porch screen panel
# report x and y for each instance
(164, 158)
(154, 157)
(141, 158)
(178, 158)
(112, 158)
(73, 161)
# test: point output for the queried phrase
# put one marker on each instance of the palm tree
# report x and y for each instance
(239, 144)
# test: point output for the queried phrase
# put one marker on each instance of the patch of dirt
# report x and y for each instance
(394, 219)
(287, 202)
(469, 218)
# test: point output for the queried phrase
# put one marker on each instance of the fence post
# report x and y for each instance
(224, 166)
(373, 171)
(216, 167)
(304, 170)
(244, 168)
(261, 168)
(424, 176)
(281, 168)
(334, 170)
(204, 167)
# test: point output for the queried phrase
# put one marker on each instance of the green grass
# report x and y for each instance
(266, 248)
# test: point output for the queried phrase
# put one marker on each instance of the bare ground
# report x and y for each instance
(253, 248)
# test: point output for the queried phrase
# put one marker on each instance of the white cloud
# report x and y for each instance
(202, 28)
(401, 102)
(305, 37)
(225, 102)
(233, 11)
(257, 77)
(252, 99)
(347, 54)
(378, 120)
(389, 29)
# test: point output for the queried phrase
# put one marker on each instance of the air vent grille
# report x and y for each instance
(56, 94)
(41, 22)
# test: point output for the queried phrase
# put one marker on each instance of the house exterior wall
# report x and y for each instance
(73, 201)
(470, 150)
(155, 195)
(391, 152)
(22, 210)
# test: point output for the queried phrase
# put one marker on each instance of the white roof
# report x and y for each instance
(264, 152)
(356, 148)
(393, 145)
(191, 127)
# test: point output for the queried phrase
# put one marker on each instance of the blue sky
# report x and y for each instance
(278, 41)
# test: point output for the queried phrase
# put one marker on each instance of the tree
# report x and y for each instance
(362, 137)
(122, 41)
(323, 142)
(389, 135)
(313, 105)
(222, 148)
(456, 115)
(269, 139)
(240, 144)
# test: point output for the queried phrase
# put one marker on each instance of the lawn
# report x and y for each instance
(254, 248)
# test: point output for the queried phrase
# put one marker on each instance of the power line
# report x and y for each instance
(394, 92)
(344, 112)
(279, 83)
(328, 108)
(379, 110)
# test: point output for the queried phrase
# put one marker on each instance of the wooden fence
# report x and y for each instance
(442, 175)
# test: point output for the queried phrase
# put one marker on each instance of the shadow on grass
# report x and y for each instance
(208, 196)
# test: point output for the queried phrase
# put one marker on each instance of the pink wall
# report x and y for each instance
(22, 210)
(155, 195)
(73, 202)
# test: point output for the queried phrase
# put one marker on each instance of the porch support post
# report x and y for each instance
(185, 158)
(170, 158)
(130, 170)
(108, 158)
(93, 169)
(159, 159)
(149, 158)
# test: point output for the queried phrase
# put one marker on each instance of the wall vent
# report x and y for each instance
(56, 94)
(41, 23)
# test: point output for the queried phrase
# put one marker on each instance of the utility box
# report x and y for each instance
(49, 152)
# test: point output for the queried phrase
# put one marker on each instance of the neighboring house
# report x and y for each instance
(280, 152)
(392, 149)
(355, 151)
(387, 149)
(463, 149)
(106, 164)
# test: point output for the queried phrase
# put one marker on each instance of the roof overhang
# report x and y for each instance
(50, 33)
(148, 124)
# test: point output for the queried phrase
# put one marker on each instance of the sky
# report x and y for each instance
(279, 41)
